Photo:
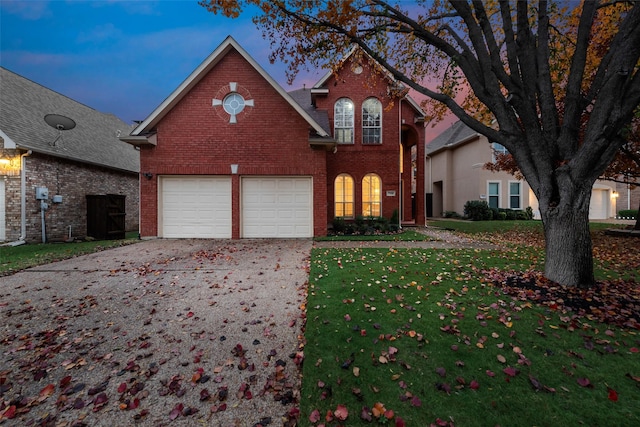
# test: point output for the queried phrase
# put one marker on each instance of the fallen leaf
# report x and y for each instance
(341, 412)
(584, 382)
(613, 395)
(314, 417)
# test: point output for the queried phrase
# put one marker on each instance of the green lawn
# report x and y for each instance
(422, 333)
(16, 258)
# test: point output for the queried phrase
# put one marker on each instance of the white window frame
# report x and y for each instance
(344, 202)
(489, 195)
(377, 121)
(369, 199)
(343, 125)
(497, 148)
(520, 186)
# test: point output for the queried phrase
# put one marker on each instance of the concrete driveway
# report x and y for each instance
(162, 332)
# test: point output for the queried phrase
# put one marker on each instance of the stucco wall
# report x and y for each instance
(73, 181)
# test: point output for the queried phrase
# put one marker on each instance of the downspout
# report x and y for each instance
(400, 194)
(23, 196)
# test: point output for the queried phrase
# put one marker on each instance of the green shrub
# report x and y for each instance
(339, 225)
(451, 214)
(628, 214)
(529, 212)
(502, 216)
(477, 210)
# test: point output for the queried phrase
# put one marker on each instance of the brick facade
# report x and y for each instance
(71, 180)
(399, 132)
(196, 138)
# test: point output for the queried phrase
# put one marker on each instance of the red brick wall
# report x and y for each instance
(195, 138)
(360, 159)
(73, 181)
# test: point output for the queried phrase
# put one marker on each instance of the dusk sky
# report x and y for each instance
(121, 56)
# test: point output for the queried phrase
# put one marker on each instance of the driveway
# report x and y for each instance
(162, 332)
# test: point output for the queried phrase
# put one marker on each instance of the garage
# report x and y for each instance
(195, 207)
(599, 206)
(277, 207)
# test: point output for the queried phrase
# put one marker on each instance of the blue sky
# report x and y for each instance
(120, 56)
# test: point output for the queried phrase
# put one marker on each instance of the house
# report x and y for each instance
(230, 154)
(455, 175)
(54, 153)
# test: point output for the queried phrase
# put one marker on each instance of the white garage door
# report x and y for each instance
(277, 207)
(196, 207)
(599, 206)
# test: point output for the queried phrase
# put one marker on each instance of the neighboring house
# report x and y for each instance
(41, 148)
(455, 175)
(230, 154)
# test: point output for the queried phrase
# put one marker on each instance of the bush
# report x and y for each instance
(628, 214)
(451, 214)
(502, 216)
(477, 210)
(529, 212)
(339, 225)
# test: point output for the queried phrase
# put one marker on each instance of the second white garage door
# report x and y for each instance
(196, 207)
(277, 207)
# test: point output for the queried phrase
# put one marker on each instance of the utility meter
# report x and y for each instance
(42, 193)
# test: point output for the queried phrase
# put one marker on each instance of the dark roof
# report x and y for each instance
(94, 140)
(456, 134)
(303, 98)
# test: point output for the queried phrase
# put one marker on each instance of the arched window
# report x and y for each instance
(371, 121)
(343, 200)
(371, 195)
(343, 121)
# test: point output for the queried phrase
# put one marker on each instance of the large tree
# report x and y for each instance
(494, 64)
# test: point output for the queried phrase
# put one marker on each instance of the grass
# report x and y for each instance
(422, 325)
(16, 258)
(407, 235)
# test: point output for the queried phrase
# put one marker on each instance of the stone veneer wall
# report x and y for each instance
(73, 181)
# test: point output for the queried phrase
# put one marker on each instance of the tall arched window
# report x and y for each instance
(343, 192)
(371, 195)
(343, 121)
(371, 121)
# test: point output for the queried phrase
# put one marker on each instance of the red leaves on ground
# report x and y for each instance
(341, 412)
(612, 394)
(584, 382)
(615, 302)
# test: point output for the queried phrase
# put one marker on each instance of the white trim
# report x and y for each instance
(509, 195)
(8, 142)
(207, 65)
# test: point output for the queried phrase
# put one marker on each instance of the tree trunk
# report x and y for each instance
(569, 256)
(637, 225)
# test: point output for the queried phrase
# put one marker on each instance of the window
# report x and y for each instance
(494, 195)
(497, 149)
(371, 195)
(371, 121)
(343, 191)
(343, 121)
(515, 195)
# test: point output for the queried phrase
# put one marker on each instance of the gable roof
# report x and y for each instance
(94, 139)
(148, 125)
(401, 86)
(457, 134)
(303, 98)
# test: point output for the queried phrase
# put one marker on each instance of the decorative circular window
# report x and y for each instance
(233, 103)
(233, 99)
